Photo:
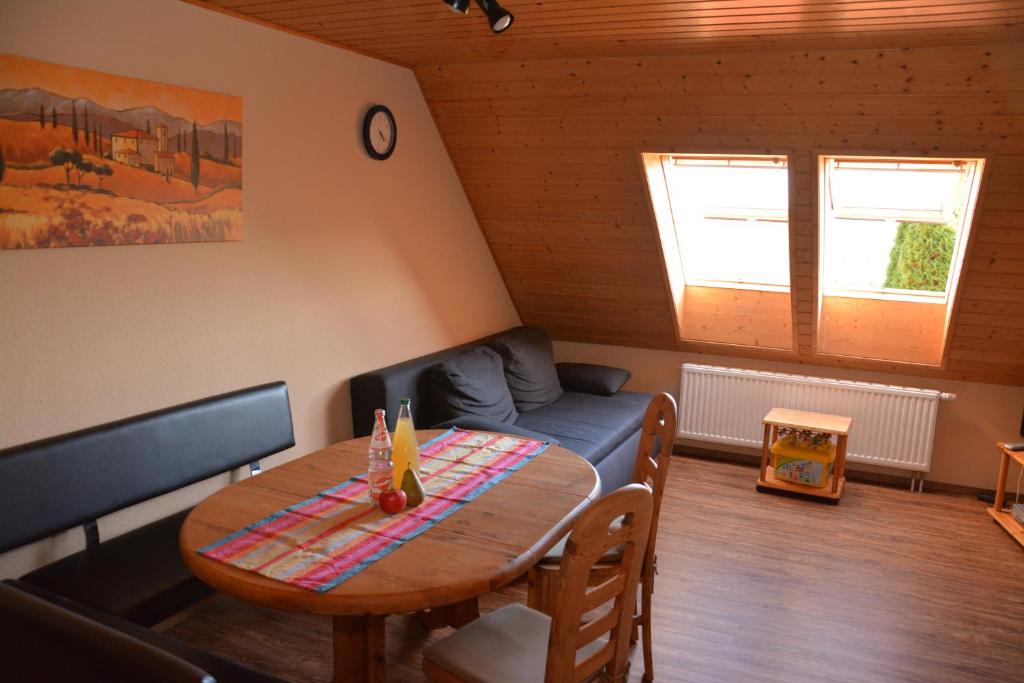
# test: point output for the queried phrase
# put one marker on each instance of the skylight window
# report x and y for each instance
(723, 228)
(894, 228)
(731, 217)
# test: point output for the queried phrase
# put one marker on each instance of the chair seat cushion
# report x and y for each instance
(138, 576)
(588, 424)
(509, 645)
(553, 557)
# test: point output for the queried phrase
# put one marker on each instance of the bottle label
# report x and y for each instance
(379, 483)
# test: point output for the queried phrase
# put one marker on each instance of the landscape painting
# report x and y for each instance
(89, 159)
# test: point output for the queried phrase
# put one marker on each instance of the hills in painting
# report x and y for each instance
(90, 159)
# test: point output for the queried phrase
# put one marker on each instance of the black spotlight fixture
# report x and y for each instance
(459, 6)
(497, 16)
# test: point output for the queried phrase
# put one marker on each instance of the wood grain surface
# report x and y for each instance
(888, 586)
(416, 32)
(482, 546)
(548, 157)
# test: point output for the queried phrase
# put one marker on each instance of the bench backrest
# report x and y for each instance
(57, 483)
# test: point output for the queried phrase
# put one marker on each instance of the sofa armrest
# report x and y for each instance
(592, 379)
(483, 424)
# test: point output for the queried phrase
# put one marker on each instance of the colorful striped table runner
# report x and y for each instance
(324, 540)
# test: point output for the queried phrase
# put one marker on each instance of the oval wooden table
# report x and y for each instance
(482, 546)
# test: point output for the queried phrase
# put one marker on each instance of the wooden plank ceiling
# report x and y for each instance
(547, 147)
(418, 32)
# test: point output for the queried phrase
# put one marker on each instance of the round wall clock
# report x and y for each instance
(379, 132)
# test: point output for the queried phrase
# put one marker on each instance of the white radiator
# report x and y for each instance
(892, 426)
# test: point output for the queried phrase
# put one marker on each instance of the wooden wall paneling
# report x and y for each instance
(662, 227)
(962, 259)
(745, 317)
(548, 152)
(421, 32)
(903, 331)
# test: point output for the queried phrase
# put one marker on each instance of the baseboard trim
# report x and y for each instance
(878, 478)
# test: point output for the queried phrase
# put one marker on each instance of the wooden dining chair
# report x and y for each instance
(587, 636)
(659, 426)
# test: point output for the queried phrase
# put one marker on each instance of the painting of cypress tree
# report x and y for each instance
(105, 170)
(194, 153)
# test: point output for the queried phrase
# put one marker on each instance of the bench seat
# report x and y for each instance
(58, 642)
(138, 576)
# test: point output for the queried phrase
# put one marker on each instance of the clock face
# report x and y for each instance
(379, 132)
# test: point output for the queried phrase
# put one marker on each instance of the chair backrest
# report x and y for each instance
(57, 483)
(41, 641)
(583, 613)
(657, 431)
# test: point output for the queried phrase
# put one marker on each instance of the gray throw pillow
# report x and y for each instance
(471, 383)
(529, 367)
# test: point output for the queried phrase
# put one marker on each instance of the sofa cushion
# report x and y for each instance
(588, 424)
(472, 383)
(482, 424)
(592, 379)
(138, 576)
(529, 367)
(223, 670)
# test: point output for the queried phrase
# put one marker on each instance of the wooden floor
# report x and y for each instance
(887, 586)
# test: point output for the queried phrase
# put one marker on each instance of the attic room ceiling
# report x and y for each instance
(422, 32)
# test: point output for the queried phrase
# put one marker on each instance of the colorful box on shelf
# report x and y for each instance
(806, 466)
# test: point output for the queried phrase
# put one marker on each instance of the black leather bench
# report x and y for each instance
(49, 639)
(74, 479)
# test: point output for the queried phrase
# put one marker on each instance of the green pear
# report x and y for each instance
(412, 487)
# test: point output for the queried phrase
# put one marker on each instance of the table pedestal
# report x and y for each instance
(359, 649)
(360, 641)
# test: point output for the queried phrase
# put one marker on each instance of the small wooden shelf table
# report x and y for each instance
(1001, 516)
(815, 422)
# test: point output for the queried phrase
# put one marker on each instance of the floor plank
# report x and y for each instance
(888, 586)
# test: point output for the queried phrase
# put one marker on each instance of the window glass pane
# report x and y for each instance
(732, 218)
(891, 226)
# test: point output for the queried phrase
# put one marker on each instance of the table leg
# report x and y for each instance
(1004, 465)
(839, 471)
(359, 649)
(457, 615)
(764, 451)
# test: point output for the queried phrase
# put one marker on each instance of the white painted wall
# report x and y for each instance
(348, 264)
(965, 433)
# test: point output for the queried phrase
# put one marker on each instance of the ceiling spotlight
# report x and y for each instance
(460, 6)
(497, 16)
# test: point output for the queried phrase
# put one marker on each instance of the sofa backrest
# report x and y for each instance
(384, 387)
(57, 483)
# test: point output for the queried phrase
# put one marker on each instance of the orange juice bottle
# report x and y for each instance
(405, 452)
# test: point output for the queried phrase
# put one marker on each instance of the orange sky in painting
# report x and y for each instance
(118, 92)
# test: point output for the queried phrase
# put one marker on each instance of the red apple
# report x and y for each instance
(393, 501)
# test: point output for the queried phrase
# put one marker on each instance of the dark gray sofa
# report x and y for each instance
(603, 429)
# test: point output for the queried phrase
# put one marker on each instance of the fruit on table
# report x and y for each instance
(393, 501)
(412, 487)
